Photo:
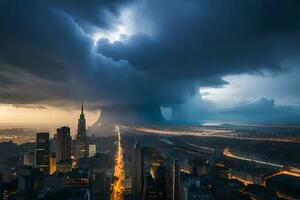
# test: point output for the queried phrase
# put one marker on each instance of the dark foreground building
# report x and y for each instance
(42, 152)
(63, 144)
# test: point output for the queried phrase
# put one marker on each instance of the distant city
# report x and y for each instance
(154, 162)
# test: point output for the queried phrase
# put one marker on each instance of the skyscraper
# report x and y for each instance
(42, 152)
(81, 145)
(160, 181)
(52, 163)
(29, 158)
(63, 144)
(176, 179)
(92, 150)
(137, 180)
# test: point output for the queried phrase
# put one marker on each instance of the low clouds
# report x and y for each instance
(258, 110)
(47, 54)
(261, 109)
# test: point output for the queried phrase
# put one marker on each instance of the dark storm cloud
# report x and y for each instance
(200, 39)
(47, 54)
(92, 14)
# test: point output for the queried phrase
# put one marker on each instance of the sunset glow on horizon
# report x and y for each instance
(10, 114)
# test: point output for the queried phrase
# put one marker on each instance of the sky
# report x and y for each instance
(192, 59)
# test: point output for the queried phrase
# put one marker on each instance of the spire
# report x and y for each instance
(82, 107)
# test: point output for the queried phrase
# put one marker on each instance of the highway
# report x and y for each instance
(292, 171)
(119, 173)
(208, 133)
(228, 153)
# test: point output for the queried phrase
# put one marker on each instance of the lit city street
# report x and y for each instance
(119, 174)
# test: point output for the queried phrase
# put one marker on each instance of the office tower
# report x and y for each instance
(101, 169)
(78, 179)
(169, 179)
(29, 179)
(137, 172)
(28, 158)
(53, 147)
(152, 173)
(42, 152)
(64, 166)
(176, 179)
(150, 190)
(63, 144)
(92, 150)
(98, 187)
(52, 163)
(81, 145)
(160, 181)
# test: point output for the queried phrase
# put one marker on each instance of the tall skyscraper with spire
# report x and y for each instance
(81, 144)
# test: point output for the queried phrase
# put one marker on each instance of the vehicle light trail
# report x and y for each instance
(244, 181)
(292, 171)
(285, 169)
(228, 153)
(208, 133)
(119, 174)
(281, 172)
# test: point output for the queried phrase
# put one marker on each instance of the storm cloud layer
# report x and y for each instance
(48, 54)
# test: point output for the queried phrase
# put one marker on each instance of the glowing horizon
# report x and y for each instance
(47, 115)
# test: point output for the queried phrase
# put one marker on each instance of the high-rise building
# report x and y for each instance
(53, 144)
(137, 172)
(176, 179)
(78, 179)
(52, 163)
(150, 190)
(92, 150)
(42, 152)
(28, 158)
(81, 145)
(160, 181)
(169, 179)
(63, 144)
(29, 179)
(64, 166)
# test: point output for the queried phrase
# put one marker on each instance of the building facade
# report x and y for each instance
(92, 150)
(81, 144)
(29, 158)
(52, 163)
(42, 152)
(63, 144)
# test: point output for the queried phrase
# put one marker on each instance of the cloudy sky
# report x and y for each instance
(194, 59)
